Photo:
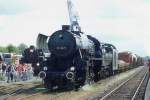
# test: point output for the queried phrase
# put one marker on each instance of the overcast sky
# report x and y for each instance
(124, 23)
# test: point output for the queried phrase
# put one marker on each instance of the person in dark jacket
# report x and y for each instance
(9, 72)
(3, 69)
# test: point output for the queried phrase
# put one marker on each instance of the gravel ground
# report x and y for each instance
(88, 92)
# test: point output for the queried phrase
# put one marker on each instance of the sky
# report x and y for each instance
(124, 23)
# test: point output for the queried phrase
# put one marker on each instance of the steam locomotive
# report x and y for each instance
(76, 59)
(33, 56)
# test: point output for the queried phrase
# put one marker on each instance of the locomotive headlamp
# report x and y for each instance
(38, 64)
(72, 68)
(31, 50)
(45, 68)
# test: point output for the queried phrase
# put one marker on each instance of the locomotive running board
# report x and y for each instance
(41, 43)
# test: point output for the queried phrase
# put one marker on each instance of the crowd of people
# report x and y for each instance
(15, 72)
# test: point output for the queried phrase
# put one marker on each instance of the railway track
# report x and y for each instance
(25, 95)
(4, 90)
(30, 96)
(129, 89)
(9, 91)
(24, 92)
(52, 95)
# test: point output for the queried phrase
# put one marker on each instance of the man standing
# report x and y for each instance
(3, 70)
(9, 73)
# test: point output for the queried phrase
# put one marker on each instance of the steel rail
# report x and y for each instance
(123, 83)
(137, 90)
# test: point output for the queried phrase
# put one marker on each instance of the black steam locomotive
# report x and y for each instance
(34, 57)
(76, 59)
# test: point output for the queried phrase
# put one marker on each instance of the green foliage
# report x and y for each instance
(22, 47)
(3, 49)
(13, 49)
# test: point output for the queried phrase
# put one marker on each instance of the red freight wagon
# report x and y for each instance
(126, 56)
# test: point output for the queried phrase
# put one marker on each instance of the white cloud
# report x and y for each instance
(29, 24)
(120, 22)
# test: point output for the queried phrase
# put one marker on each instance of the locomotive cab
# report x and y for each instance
(110, 57)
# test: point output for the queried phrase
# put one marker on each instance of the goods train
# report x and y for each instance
(75, 58)
(33, 56)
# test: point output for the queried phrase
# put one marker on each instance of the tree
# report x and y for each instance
(22, 47)
(3, 49)
(11, 49)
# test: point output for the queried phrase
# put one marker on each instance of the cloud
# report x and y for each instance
(118, 22)
(24, 27)
(12, 7)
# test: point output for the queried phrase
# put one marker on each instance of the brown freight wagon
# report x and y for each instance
(125, 56)
(129, 58)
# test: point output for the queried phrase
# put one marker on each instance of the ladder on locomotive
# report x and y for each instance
(89, 69)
